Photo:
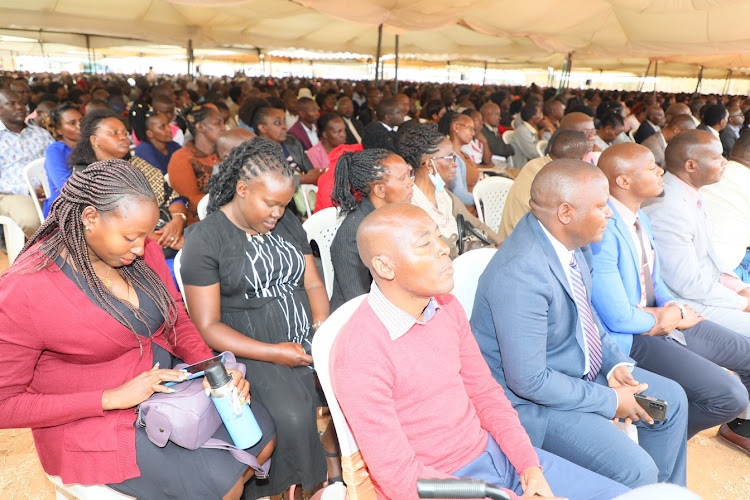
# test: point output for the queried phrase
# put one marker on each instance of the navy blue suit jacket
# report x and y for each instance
(527, 326)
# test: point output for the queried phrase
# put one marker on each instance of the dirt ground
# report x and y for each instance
(716, 471)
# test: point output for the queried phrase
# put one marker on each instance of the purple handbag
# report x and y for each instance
(188, 418)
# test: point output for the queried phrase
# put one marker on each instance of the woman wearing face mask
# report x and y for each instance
(152, 129)
(433, 161)
(64, 125)
(104, 137)
(252, 288)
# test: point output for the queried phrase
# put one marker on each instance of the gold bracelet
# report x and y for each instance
(316, 325)
(184, 217)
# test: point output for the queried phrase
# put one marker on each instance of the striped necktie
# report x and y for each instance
(591, 333)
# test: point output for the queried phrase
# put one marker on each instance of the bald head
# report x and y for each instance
(620, 159)
(230, 139)
(683, 147)
(676, 109)
(576, 121)
(381, 233)
(560, 181)
(568, 144)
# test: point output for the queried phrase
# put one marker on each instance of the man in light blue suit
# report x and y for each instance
(639, 311)
(567, 379)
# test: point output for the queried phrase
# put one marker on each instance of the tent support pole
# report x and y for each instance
(484, 78)
(726, 83)
(190, 57)
(700, 80)
(88, 51)
(396, 68)
(377, 55)
(645, 75)
(656, 74)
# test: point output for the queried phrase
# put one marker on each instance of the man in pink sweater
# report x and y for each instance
(413, 385)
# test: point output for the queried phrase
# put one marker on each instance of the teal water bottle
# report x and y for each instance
(238, 418)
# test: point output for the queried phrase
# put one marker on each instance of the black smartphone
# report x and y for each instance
(656, 408)
(196, 370)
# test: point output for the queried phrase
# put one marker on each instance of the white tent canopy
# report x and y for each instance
(601, 34)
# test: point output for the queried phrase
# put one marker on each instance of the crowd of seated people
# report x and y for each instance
(610, 278)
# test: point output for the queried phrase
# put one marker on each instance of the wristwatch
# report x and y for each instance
(683, 311)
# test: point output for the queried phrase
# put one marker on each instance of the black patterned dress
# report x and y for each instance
(263, 297)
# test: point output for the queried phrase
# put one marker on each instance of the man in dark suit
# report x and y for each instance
(304, 129)
(354, 127)
(368, 114)
(567, 379)
(491, 118)
(655, 120)
(639, 311)
(382, 133)
(715, 119)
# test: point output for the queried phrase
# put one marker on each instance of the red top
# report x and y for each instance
(189, 171)
(327, 179)
(419, 405)
(58, 353)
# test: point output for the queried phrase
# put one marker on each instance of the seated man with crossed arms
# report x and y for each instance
(567, 379)
(412, 383)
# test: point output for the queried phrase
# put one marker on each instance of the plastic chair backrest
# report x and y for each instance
(508, 138)
(309, 191)
(178, 276)
(35, 170)
(631, 134)
(467, 268)
(203, 207)
(14, 237)
(489, 199)
(540, 147)
(321, 352)
(321, 228)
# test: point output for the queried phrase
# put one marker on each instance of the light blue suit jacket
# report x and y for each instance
(617, 284)
(527, 326)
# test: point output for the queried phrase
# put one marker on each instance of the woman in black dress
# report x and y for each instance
(252, 288)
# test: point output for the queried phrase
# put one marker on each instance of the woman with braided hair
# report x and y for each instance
(364, 181)
(89, 327)
(192, 165)
(252, 287)
(104, 137)
(431, 155)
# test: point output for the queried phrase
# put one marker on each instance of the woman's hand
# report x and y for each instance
(171, 233)
(238, 380)
(137, 390)
(291, 354)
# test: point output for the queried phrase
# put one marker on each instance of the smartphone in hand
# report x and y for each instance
(656, 408)
(196, 370)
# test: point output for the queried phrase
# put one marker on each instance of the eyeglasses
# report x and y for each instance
(470, 127)
(450, 158)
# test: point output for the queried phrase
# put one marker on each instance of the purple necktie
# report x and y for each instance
(591, 333)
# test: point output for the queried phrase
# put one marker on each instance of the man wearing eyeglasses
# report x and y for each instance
(731, 132)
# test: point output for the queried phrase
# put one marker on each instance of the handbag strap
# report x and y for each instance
(261, 471)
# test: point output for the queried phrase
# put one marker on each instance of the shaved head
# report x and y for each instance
(634, 177)
(569, 197)
(619, 161)
(677, 109)
(403, 249)
(230, 139)
(683, 147)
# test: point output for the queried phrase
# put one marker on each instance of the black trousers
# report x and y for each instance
(714, 395)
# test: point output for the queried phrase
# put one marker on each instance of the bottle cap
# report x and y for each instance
(217, 374)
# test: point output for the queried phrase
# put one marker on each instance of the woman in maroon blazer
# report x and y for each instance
(90, 324)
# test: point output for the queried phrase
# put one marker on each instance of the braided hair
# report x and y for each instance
(193, 114)
(354, 175)
(83, 153)
(106, 186)
(55, 117)
(139, 115)
(249, 160)
(417, 141)
(444, 125)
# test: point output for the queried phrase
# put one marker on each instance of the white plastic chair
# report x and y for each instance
(321, 351)
(307, 190)
(321, 228)
(632, 134)
(203, 208)
(14, 237)
(35, 170)
(541, 146)
(178, 276)
(467, 268)
(166, 179)
(508, 139)
(84, 492)
(489, 199)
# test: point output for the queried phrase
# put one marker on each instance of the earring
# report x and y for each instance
(88, 228)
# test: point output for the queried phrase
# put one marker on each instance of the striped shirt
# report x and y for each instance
(16, 151)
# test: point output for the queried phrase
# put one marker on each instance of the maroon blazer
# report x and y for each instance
(58, 353)
(298, 131)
